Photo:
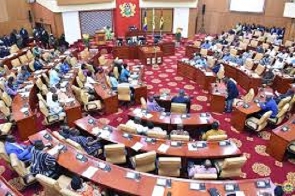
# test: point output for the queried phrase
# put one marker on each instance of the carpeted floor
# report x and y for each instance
(259, 164)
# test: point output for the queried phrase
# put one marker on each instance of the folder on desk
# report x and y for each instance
(163, 148)
(89, 172)
(158, 191)
(137, 146)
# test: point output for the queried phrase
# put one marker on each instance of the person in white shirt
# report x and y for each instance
(54, 106)
(89, 83)
(290, 58)
(279, 64)
(136, 123)
(54, 77)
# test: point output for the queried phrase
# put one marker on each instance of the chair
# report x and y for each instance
(221, 73)
(2, 84)
(179, 108)
(49, 117)
(203, 52)
(108, 81)
(246, 41)
(124, 93)
(283, 102)
(169, 166)
(7, 99)
(40, 98)
(75, 145)
(217, 137)
(90, 105)
(144, 162)
(291, 149)
(288, 43)
(81, 75)
(258, 57)
(77, 92)
(280, 116)
(233, 52)
(5, 128)
(68, 192)
(179, 137)
(31, 65)
(15, 62)
(143, 103)
(157, 134)
(116, 72)
(73, 61)
(197, 43)
(211, 61)
(257, 33)
(291, 104)
(256, 124)
(58, 136)
(3, 153)
(249, 64)
(46, 78)
(230, 167)
(24, 59)
(52, 186)
(246, 99)
(13, 49)
(30, 55)
(206, 176)
(127, 128)
(5, 110)
(79, 82)
(41, 86)
(102, 60)
(115, 153)
(254, 43)
(265, 46)
(259, 69)
(24, 172)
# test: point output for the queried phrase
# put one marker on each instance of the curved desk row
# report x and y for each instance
(202, 150)
(6, 189)
(122, 179)
(191, 122)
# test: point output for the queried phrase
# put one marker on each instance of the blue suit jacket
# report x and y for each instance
(22, 154)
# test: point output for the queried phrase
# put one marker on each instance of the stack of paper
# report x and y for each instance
(158, 191)
(137, 146)
(163, 148)
(90, 171)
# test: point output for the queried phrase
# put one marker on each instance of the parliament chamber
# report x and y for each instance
(144, 97)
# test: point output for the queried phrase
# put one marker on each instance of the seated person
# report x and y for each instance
(216, 68)
(289, 93)
(54, 106)
(152, 127)
(64, 67)
(82, 188)
(279, 64)
(153, 106)
(179, 131)
(84, 69)
(113, 81)
(11, 86)
(232, 93)
(42, 162)
(269, 105)
(206, 45)
(22, 152)
(90, 145)
(54, 77)
(213, 131)
(265, 60)
(205, 168)
(181, 98)
(226, 57)
(239, 60)
(124, 74)
(89, 82)
(23, 75)
(268, 77)
(65, 131)
(36, 51)
(137, 124)
(38, 64)
(260, 49)
(2, 70)
(201, 62)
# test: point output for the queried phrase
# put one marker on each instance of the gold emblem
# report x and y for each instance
(127, 9)
(288, 187)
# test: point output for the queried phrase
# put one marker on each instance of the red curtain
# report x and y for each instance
(122, 23)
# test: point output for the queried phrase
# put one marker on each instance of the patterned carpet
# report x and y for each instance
(259, 164)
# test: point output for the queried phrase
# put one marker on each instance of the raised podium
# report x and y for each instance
(150, 55)
(100, 38)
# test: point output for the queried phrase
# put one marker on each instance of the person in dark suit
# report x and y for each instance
(181, 98)
(25, 35)
(232, 93)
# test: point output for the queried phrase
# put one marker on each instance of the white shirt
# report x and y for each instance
(278, 65)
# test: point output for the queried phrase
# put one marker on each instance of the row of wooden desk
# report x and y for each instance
(7, 60)
(116, 177)
(202, 77)
(6, 189)
(212, 150)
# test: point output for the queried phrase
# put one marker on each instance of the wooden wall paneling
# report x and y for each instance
(3, 11)
(168, 18)
(193, 14)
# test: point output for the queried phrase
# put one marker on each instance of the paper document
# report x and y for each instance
(89, 172)
(137, 146)
(23, 110)
(158, 191)
(148, 115)
(191, 147)
(53, 151)
(163, 148)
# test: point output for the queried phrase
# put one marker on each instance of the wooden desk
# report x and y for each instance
(217, 98)
(240, 114)
(202, 77)
(279, 140)
(191, 123)
(190, 50)
(26, 122)
(168, 48)
(212, 151)
(125, 52)
(282, 83)
(6, 188)
(7, 60)
(135, 33)
(150, 55)
(116, 178)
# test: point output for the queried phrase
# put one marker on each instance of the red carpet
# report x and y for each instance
(259, 164)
